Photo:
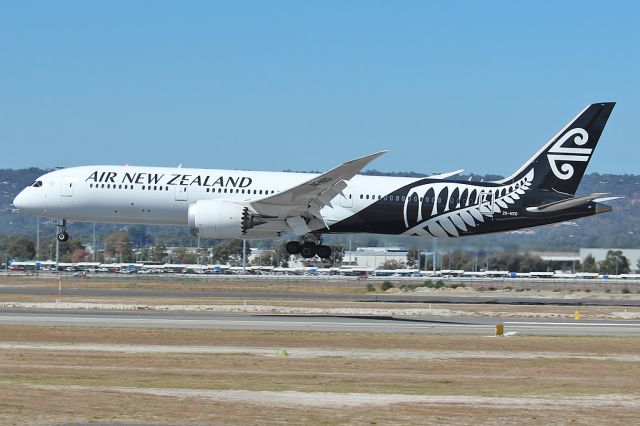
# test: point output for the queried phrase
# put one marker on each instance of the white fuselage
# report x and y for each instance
(159, 195)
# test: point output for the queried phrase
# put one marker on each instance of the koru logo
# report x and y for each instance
(564, 156)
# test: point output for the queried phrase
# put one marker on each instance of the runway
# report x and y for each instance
(248, 294)
(370, 324)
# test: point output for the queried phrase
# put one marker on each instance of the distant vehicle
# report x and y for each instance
(79, 274)
(363, 277)
(223, 204)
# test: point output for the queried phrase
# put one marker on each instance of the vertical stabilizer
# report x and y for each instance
(561, 163)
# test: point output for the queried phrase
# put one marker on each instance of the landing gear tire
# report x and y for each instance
(63, 236)
(308, 250)
(324, 252)
(293, 247)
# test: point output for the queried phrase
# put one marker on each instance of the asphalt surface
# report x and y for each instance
(372, 324)
(500, 299)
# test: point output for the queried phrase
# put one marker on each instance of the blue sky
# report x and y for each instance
(306, 85)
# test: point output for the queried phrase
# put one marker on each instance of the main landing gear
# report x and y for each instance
(62, 232)
(308, 249)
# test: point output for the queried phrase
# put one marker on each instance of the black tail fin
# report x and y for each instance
(560, 164)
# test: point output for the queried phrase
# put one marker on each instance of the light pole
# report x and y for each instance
(244, 256)
(435, 251)
(37, 237)
(93, 244)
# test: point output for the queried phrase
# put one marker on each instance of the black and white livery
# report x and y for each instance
(259, 205)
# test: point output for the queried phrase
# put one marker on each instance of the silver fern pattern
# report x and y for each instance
(446, 209)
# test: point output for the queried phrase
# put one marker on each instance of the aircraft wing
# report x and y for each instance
(305, 201)
(446, 175)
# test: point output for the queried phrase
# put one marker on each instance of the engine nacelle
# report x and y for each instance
(220, 219)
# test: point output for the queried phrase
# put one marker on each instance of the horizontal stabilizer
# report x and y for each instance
(605, 199)
(566, 204)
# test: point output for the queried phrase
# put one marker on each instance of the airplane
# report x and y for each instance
(225, 204)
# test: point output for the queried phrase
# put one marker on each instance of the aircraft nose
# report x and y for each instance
(26, 201)
(19, 201)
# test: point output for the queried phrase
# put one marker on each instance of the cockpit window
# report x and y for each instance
(37, 184)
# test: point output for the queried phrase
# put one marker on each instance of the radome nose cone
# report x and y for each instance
(27, 201)
(19, 201)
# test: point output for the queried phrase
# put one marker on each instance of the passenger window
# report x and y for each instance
(90, 185)
(367, 196)
(397, 198)
(143, 187)
(361, 196)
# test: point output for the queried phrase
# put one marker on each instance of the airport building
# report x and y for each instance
(373, 257)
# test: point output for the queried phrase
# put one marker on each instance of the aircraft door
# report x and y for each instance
(66, 186)
(181, 193)
(487, 203)
(347, 199)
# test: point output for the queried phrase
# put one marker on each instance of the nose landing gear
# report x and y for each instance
(309, 249)
(62, 232)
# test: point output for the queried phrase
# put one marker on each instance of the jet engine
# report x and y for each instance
(220, 219)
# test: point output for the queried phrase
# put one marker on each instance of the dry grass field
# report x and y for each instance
(52, 375)
(235, 377)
